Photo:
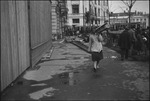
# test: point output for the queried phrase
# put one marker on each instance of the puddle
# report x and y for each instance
(63, 75)
(76, 76)
(68, 78)
(47, 92)
(41, 84)
(114, 57)
(71, 78)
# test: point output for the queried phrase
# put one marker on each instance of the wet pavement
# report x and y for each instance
(68, 75)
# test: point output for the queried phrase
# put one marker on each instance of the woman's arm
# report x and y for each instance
(100, 38)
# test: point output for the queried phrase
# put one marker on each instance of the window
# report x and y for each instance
(98, 12)
(104, 3)
(98, 2)
(95, 12)
(104, 14)
(95, 21)
(95, 1)
(75, 9)
(75, 20)
(85, 9)
(137, 19)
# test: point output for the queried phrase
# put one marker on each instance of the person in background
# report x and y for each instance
(133, 39)
(95, 47)
(124, 43)
(140, 42)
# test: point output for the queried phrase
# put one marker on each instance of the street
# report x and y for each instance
(68, 75)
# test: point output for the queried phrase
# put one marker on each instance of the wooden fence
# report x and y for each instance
(40, 22)
(25, 36)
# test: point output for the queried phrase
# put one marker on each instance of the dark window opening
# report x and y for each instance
(75, 20)
(75, 9)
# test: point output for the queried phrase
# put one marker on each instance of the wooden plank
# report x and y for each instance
(27, 36)
(5, 46)
(23, 33)
(14, 42)
(34, 22)
(40, 51)
(40, 28)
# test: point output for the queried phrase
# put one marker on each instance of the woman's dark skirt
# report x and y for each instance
(97, 56)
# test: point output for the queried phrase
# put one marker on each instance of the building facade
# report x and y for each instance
(136, 17)
(59, 16)
(143, 19)
(55, 19)
(99, 10)
(77, 8)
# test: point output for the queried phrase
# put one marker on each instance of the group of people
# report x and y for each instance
(129, 40)
(133, 41)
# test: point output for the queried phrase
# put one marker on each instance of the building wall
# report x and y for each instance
(63, 16)
(59, 14)
(54, 17)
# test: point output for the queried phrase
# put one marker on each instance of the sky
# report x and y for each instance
(117, 6)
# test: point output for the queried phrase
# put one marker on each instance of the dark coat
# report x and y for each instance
(139, 46)
(125, 40)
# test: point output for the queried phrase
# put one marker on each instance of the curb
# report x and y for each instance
(80, 45)
(49, 54)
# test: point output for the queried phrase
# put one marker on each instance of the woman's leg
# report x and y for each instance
(95, 64)
(99, 58)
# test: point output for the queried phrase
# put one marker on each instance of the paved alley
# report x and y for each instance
(68, 75)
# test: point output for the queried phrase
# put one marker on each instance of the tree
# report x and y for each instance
(129, 4)
(87, 16)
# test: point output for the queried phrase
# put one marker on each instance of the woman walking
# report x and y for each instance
(95, 47)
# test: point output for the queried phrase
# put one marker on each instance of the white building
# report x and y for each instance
(78, 8)
(122, 18)
(100, 11)
(143, 19)
(119, 19)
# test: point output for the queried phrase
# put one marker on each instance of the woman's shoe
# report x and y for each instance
(94, 69)
(122, 59)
